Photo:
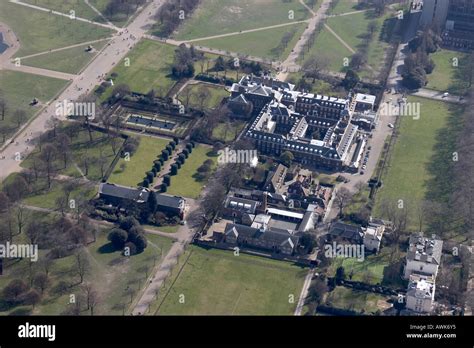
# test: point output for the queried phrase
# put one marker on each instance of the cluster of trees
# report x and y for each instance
(183, 62)
(172, 14)
(117, 9)
(19, 116)
(176, 166)
(234, 64)
(359, 59)
(129, 236)
(158, 164)
(418, 64)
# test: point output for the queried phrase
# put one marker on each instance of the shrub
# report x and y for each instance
(164, 187)
(174, 169)
(167, 180)
(118, 238)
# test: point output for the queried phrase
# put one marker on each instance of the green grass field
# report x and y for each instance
(228, 16)
(81, 9)
(140, 163)
(351, 29)
(43, 198)
(149, 68)
(344, 6)
(372, 270)
(408, 174)
(19, 89)
(119, 19)
(447, 76)
(217, 93)
(215, 282)
(110, 274)
(226, 132)
(360, 301)
(185, 184)
(263, 43)
(40, 31)
(71, 60)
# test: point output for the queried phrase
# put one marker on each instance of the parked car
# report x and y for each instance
(390, 125)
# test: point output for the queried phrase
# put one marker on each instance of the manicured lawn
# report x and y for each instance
(40, 31)
(446, 76)
(19, 89)
(372, 270)
(226, 132)
(46, 198)
(344, 6)
(149, 68)
(408, 173)
(110, 273)
(70, 61)
(216, 94)
(140, 163)
(351, 29)
(228, 16)
(264, 43)
(360, 301)
(215, 282)
(81, 9)
(185, 184)
(327, 47)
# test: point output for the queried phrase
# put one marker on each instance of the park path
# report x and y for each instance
(290, 63)
(346, 45)
(98, 12)
(39, 71)
(245, 31)
(185, 236)
(108, 58)
(39, 8)
(65, 48)
(304, 293)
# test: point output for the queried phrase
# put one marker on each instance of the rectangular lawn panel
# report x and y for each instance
(19, 89)
(185, 184)
(408, 174)
(216, 94)
(71, 60)
(40, 31)
(150, 68)
(215, 282)
(262, 43)
(360, 301)
(228, 16)
(140, 163)
(446, 76)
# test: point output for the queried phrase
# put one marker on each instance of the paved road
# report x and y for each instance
(122, 42)
(304, 293)
(436, 95)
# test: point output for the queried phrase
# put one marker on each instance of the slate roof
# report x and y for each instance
(166, 200)
(346, 231)
(139, 195)
(424, 249)
(274, 236)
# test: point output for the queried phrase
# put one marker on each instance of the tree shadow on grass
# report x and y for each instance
(108, 248)
(440, 185)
